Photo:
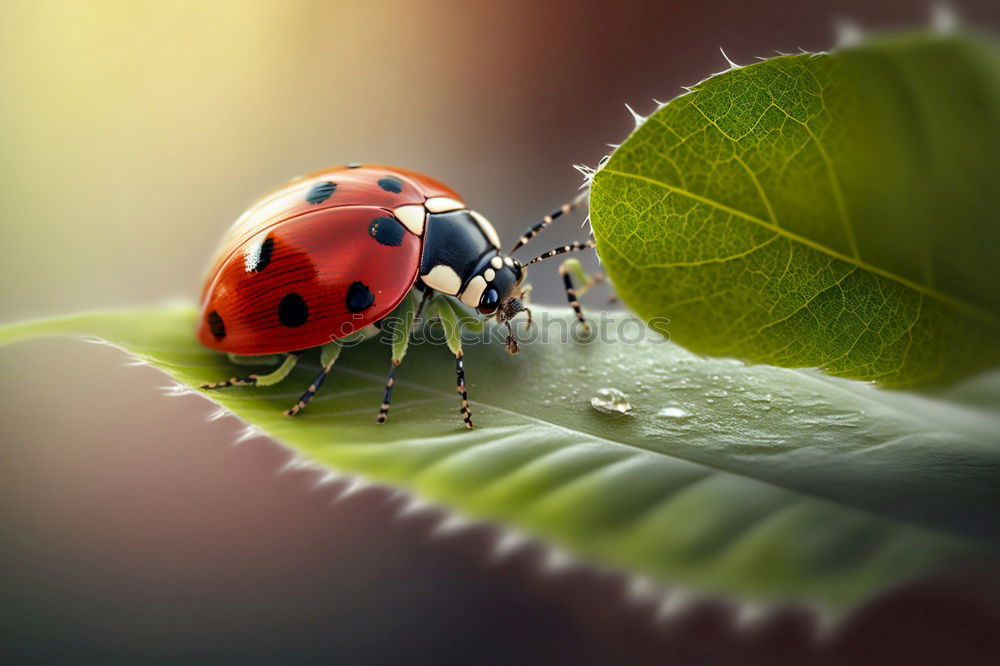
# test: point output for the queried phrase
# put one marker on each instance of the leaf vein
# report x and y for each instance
(951, 301)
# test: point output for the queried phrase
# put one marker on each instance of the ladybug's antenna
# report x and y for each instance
(575, 246)
(548, 219)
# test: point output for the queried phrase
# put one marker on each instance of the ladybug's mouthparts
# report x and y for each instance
(507, 311)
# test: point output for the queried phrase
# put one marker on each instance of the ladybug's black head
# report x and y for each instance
(503, 283)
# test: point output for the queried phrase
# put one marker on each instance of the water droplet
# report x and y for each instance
(610, 401)
(673, 413)
(717, 393)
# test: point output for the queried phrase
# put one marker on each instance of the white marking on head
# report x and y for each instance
(486, 228)
(474, 291)
(444, 279)
(508, 261)
(496, 262)
(489, 274)
(443, 204)
(412, 217)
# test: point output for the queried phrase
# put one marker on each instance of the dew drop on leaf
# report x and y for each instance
(673, 413)
(610, 401)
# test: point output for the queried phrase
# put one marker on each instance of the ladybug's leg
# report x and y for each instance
(460, 383)
(452, 321)
(328, 356)
(570, 269)
(409, 314)
(535, 229)
(257, 380)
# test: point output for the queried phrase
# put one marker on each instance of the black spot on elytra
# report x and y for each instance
(258, 261)
(320, 192)
(387, 231)
(293, 311)
(216, 325)
(390, 184)
(359, 297)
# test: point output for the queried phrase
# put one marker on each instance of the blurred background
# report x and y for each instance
(133, 133)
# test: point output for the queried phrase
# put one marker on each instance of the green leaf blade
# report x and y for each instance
(830, 211)
(773, 485)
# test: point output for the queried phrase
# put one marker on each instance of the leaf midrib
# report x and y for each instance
(952, 301)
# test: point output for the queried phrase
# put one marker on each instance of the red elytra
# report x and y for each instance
(282, 279)
(332, 253)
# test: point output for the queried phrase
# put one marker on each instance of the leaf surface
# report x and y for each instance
(756, 482)
(820, 210)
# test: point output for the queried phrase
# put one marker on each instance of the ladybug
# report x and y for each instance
(323, 260)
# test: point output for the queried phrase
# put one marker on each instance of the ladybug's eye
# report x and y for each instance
(489, 301)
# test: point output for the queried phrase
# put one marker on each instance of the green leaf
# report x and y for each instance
(820, 210)
(756, 483)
